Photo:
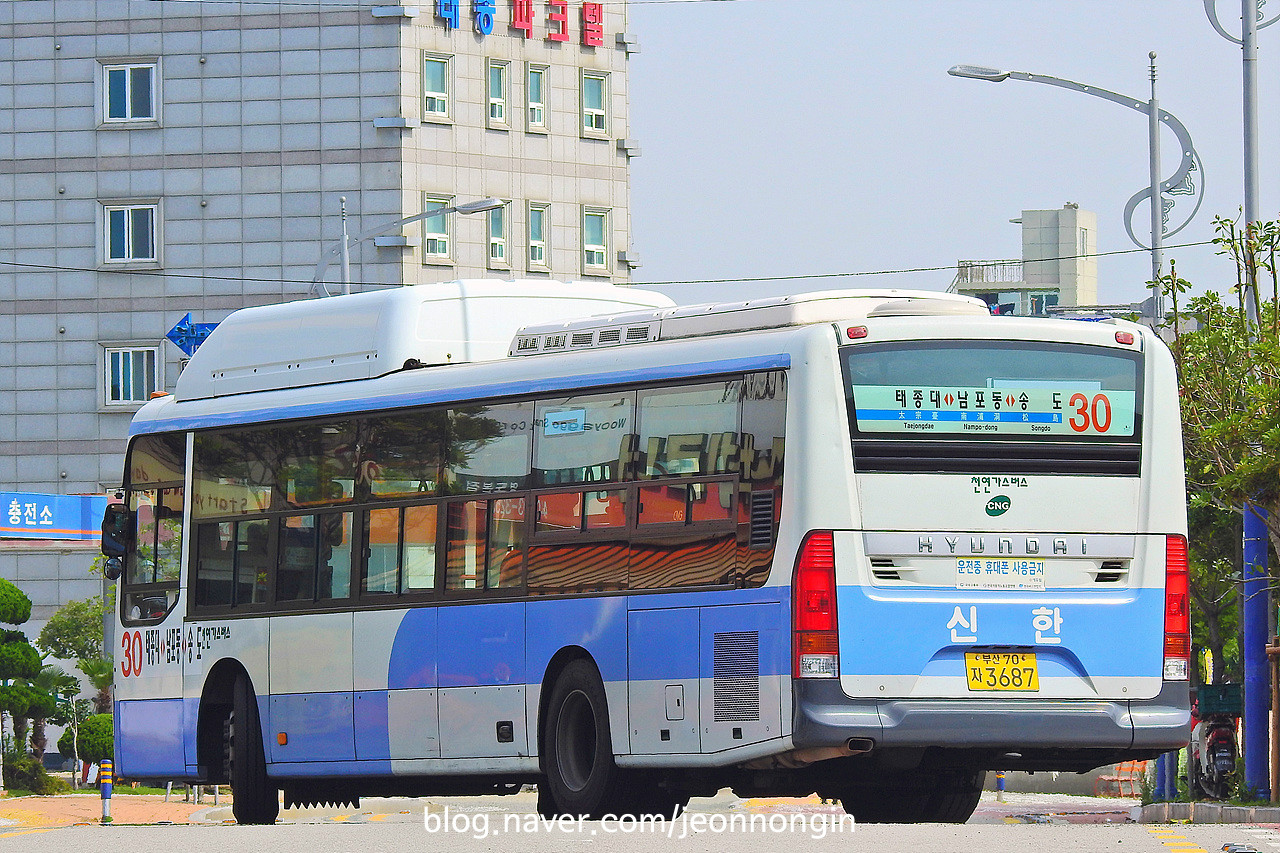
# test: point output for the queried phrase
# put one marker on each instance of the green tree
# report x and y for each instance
(93, 741)
(1214, 557)
(1229, 386)
(101, 672)
(19, 661)
(1229, 378)
(74, 631)
(71, 712)
(58, 685)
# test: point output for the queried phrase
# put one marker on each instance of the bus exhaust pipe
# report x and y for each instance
(800, 758)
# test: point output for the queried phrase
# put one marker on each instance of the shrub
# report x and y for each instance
(26, 773)
(95, 740)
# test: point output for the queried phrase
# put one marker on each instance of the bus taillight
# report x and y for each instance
(1177, 614)
(816, 643)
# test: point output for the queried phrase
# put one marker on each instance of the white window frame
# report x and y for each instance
(117, 353)
(498, 242)
(436, 105)
(499, 103)
(129, 69)
(437, 245)
(535, 113)
(595, 257)
(594, 123)
(539, 251)
(133, 254)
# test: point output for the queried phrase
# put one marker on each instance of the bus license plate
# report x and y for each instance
(1002, 670)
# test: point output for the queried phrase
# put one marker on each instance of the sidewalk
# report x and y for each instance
(68, 809)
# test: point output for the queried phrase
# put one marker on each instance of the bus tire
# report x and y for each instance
(254, 800)
(955, 796)
(933, 797)
(582, 778)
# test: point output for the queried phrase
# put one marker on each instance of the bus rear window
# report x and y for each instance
(999, 390)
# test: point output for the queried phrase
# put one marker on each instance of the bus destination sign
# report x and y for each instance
(1012, 410)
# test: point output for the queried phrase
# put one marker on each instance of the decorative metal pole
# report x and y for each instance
(1157, 203)
(1183, 181)
(1255, 606)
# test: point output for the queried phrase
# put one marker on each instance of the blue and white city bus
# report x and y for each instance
(867, 544)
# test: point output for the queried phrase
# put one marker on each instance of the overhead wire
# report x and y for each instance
(160, 273)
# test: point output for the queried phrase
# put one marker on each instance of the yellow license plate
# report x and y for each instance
(1001, 671)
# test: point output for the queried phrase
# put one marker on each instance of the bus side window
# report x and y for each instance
(419, 556)
(253, 561)
(214, 564)
(382, 551)
(336, 542)
(465, 539)
(506, 543)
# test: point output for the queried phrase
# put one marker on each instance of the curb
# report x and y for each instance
(1207, 813)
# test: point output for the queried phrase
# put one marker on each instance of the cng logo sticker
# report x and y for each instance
(998, 505)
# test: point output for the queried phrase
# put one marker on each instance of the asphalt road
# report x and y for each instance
(1033, 823)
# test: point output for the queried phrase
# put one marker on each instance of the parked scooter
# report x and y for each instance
(1211, 768)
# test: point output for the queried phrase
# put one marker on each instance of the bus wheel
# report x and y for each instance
(253, 798)
(955, 796)
(582, 778)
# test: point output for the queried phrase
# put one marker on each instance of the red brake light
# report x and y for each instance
(1177, 613)
(1124, 338)
(816, 643)
(856, 332)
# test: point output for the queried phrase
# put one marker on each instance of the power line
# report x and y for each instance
(796, 277)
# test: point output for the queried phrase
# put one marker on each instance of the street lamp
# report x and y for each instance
(1181, 183)
(343, 249)
(1254, 614)
(1251, 21)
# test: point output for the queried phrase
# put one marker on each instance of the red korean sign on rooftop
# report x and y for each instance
(554, 18)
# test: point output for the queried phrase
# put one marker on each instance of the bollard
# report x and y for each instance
(999, 786)
(104, 776)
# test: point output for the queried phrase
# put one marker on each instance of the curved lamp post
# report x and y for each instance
(343, 249)
(1257, 687)
(1181, 183)
(1251, 22)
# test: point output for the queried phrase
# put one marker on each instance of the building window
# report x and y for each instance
(497, 89)
(594, 95)
(595, 240)
(1084, 243)
(538, 215)
(435, 231)
(1042, 302)
(536, 90)
(130, 233)
(498, 237)
(129, 92)
(132, 374)
(435, 87)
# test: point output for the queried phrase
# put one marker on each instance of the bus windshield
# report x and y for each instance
(992, 390)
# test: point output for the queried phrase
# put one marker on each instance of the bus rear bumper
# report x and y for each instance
(825, 716)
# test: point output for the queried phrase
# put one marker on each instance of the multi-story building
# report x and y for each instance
(1059, 265)
(162, 158)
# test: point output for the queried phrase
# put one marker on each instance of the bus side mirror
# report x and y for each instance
(116, 524)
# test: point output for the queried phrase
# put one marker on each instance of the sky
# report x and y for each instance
(820, 137)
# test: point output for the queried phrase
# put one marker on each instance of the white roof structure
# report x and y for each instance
(362, 335)
(828, 306)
